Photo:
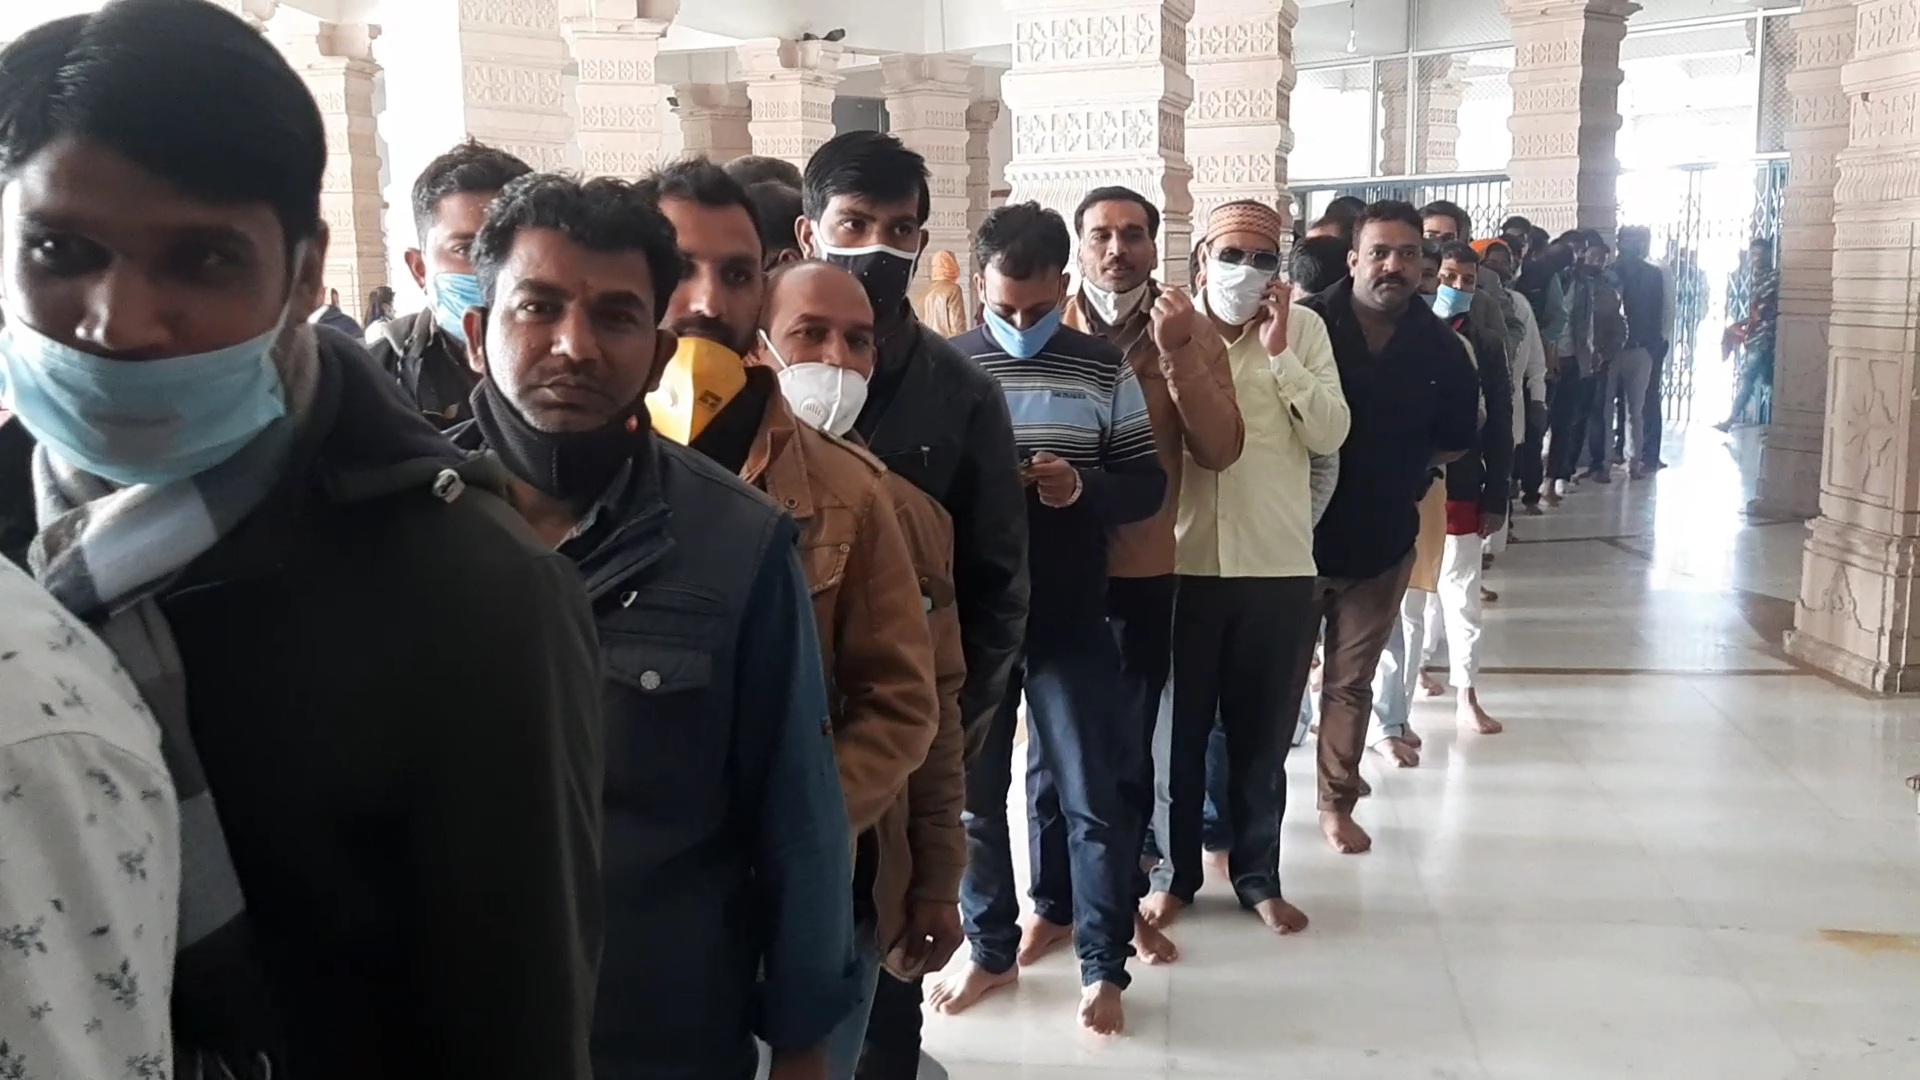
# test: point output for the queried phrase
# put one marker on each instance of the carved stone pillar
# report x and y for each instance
(791, 86)
(1100, 96)
(255, 12)
(1566, 111)
(336, 63)
(1429, 105)
(615, 43)
(1240, 56)
(927, 99)
(1858, 614)
(512, 57)
(713, 120)
(1790, 453)
(981, 117)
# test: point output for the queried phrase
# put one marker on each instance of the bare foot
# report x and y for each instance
(1281, 917)
(1474, 718)
(1153, 946)
(1343, 833)
(1038, 937)
(1101, 1011)
(1401, 752)
(1430, 686)
(1366, 789)
(1413, 738)
(1160, 909)
(1216, 862)
(963, 990)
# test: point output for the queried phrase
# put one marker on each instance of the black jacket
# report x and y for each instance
(395, 696)
(937, 419)
(428, 365)
(1419, 397)
(1643, 301)
(1482, 475)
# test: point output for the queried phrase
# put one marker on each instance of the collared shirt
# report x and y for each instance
(90, 839)
(1255, 518)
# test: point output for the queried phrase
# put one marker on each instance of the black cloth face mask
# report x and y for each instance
(886, 273)
(573, 466)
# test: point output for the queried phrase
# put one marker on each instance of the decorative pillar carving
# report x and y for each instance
(927, 101)
(1100, 96)
(512, 57)
(1430, 108)
(1790, 452)
(1566, 111)
(615, 43)
(1240, 56)
(981, 117)
(713, 120)
(791, 86)
(336, 62)
(1858, 614)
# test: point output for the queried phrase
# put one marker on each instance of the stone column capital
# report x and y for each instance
(696, 99)
(982, 115)
(619, 11)
(781, 59)
(1534, 12)
(255, 12)
(910, 73)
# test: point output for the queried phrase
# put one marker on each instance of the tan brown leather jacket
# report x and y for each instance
(874, 641)
(925, 822)
(1191, 402)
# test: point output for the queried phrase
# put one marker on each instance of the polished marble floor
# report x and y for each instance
(1686, 860)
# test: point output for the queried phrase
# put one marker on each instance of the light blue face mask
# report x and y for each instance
(1450, 301)
(140, 421)
(1023, 344)
(452, 295)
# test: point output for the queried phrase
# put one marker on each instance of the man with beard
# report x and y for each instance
(727, 909)
(1244, 621)
(1181, 366)
(779, 432)
(933, 418)
(1413, 396)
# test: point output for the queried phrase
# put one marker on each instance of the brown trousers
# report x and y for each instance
(1360, 614)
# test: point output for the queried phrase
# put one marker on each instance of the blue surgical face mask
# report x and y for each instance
(1022, 344)
(140, 421)
(452, 295)
(1450, 301)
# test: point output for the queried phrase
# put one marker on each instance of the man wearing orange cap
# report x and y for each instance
(1245, 618)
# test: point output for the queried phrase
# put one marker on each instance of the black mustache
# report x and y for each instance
(702, 326)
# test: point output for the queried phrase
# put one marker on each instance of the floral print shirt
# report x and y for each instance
(89, 854)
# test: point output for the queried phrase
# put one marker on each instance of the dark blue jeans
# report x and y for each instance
(1216, 831)
(1242, 650)
(1083, 758)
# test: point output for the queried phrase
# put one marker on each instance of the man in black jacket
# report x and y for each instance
(1644, 290)
(377, 692)
(727, 862)
(939, 421)
(426, 352)
(1414, 400)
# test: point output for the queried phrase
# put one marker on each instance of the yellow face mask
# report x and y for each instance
(699, 381)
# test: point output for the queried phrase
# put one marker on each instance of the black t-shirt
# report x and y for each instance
(1419, 396)
(728, 438)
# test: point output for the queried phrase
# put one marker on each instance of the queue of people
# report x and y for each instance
(616, 670)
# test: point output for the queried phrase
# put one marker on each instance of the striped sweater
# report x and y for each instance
(1079, 400)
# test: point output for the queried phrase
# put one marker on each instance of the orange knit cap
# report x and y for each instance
(1481, 247)
(943, 266)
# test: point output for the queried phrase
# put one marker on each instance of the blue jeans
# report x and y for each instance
(1216, 830)
(1083, 755)
(850, 1035)
(1242, 648)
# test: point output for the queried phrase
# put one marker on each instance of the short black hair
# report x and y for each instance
(1430, 251)
(1761, 242)
(1636, 230)
(470, 168)
(1318, 262)
(1349, 207)
(602, 214)
(1115, 193)
(757, 169)
(1592, 237)
(181, 88)
(1459, 251)
(1516, 223)
(1342, 225)
(1390, 210)
(1572, 238)
(699, 181)
(868, 164)
(1022, 241)
(778, 207)
(1462, 220)
(1538, 238)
